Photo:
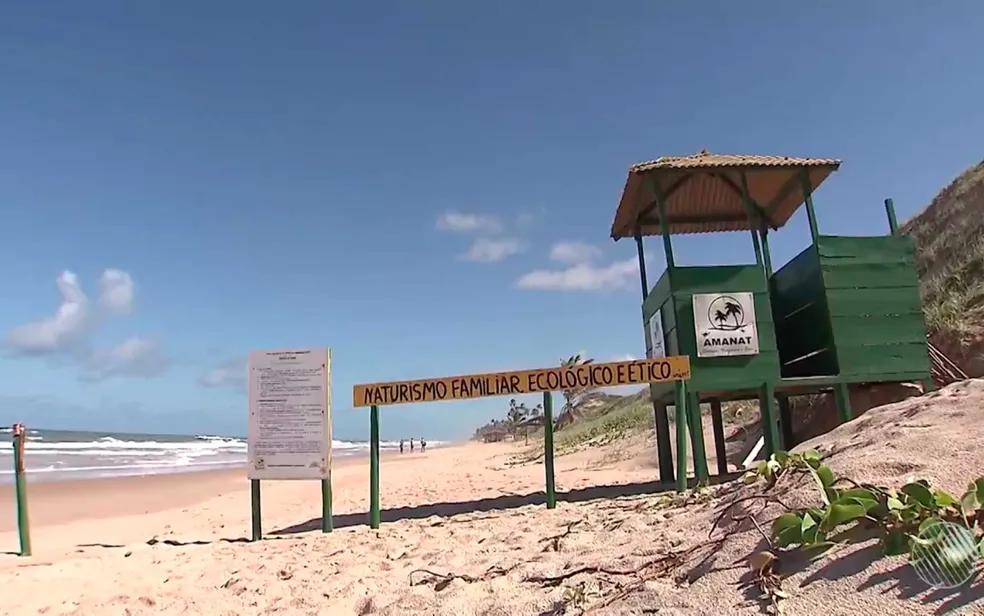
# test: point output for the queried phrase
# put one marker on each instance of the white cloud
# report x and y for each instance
(582, 277)
(487, 250)
(55, 333)
(64, 337)
(116, 292)
(459, 222)
(574, 252)
(622, 358)
(230, 373)
(136, 357)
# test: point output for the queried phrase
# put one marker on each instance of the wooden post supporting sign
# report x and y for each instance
(548, 449)
(20, 489)
(374, 467)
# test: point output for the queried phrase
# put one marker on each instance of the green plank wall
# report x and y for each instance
(855, 299)
(673, 294)
(875, 310)
(799, 307)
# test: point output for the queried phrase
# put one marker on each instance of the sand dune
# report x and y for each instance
(466, 533)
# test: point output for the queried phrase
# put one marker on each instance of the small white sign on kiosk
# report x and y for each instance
(289, 414)
(656, 340)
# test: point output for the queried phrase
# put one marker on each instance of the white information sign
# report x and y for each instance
(725, 324)
(656, 340)
(289, 414)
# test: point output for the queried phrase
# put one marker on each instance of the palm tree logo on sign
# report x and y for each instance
(726, 314)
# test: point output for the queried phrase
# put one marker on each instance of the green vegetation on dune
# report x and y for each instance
(599, 418)
(949, 239)
(622, 416)
(613, 419)
(586, 417)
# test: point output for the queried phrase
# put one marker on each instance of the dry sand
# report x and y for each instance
(467, 511)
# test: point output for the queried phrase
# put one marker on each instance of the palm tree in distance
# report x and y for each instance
(534, 417)
(515, 415)
(572, 397)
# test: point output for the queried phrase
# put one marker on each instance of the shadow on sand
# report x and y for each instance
(499, 503)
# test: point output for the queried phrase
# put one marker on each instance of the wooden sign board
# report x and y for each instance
(591, 376)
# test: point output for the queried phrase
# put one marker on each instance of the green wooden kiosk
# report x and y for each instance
(844, 311)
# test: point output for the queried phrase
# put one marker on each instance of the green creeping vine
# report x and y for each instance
(901, 515)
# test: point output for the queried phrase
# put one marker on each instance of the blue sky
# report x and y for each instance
(379, 177)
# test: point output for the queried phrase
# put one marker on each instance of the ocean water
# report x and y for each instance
(58, 455)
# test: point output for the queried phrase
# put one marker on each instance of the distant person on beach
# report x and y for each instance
(411, 445)
(423, 445)
(401, 445)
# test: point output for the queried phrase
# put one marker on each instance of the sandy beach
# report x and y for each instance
(465, 532)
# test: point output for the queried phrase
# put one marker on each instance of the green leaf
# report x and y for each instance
(895, 543)
(927, 523)
(807, 523)
(762, 468)
(812, 459)
(750, 477)
(895, 504)
(817, 512)
(789, 536)
(969, 504)
(880, 511)
(812, 536)
(868, 505)
(826, 475)
(786, 520)
(979, 483)
(909, 514)
(841, 513)
(861, 493)
(861, 496)
(919, 493)
(781, 457)
(809, 529)
(943, 499)
(980, 547)
(815, 473)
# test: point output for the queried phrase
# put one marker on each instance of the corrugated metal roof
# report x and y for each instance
(705, 159)
(702, 192)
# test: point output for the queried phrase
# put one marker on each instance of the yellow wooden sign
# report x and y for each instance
(589, 376)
